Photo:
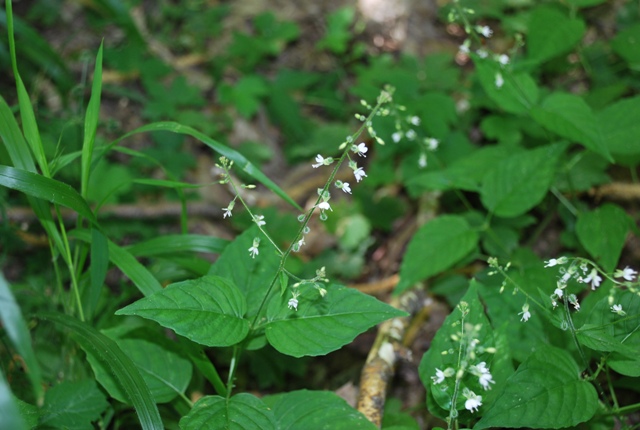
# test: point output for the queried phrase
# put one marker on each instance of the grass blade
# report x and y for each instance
(10, 417)
(97, 269)
(46, 189)
(91, 123)
(17, 331)
(139, 275)
(121, 366)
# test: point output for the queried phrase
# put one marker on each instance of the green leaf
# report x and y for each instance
(517, 94)
(174, 243)
(139, 275)
(119, 364)
(244, 94)
(323, 324)
(315, 410)
(436, 247)
(251, 275)
(570, 117)
(208, 310)
(46, 189)
(240, 161)
(619, 126)
(241, 412)
(91, 123)
(16, 329)
(602, 232)
(73, 405)
(545, 392)
(627, 45)
(552, 33)
(10, 417)
(439, 396)
(165, 372)
(98, 268)
(521, 181)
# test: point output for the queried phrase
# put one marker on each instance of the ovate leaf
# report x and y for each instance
(518, 92)
(521, 181)
(315, 410)
(208, 310)
(602, 232)
(241, 412)
(545, 392)
(73, 405)
(620, 127)
(570, 117)
(323, 324)
(436, 247)
(552, 33)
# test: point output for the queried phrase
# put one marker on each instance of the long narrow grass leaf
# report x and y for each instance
(29, 124)
(9, 415)
(121, 366)
(45, 188)
(98, 268)
(240, 161)
(18, 333)
(173, 243)
(139, 275)
(91, 123)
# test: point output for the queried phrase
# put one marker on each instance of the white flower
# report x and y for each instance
(293, 301)
(618, 310)
(485, 31)
(325, 206)
(227, 212)
(432, 143)
(482, 371)
(473, 400)
(253, 251)
(482, 53)
(411, 134)
(361, 149)
(359, 174)
(346, 188)
(593, 278)
(439, 377)
(503, 59)
(259, 219)
(414, 120)
(574, 301)
(627, 273)
(321, 161)
(525, 312)
(558, 292)
(464, 48)
(555, 261)
(485, 379)
(422, 161)
(499, 80)
(396, 136)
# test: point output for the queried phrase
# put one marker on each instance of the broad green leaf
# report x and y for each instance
(439, 395)
(465, 173)
(46, 189)
(603, 232)
(208, 310)
(91, 123)
(520, 182)
(626, 44)
(616, 332)
(240, 161)
(570, 117)
(241, 412)
(118, 363)
(620, 128)
(435, 247)
(323, 324)
(139, 275)
(73, 405)
(315, 410)
(244, 94)
(518, 92)
(17, 331)
(552, 33)
(9, 413)
(165, 372)
(252, 276)
(174, 243)
(545, 392)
